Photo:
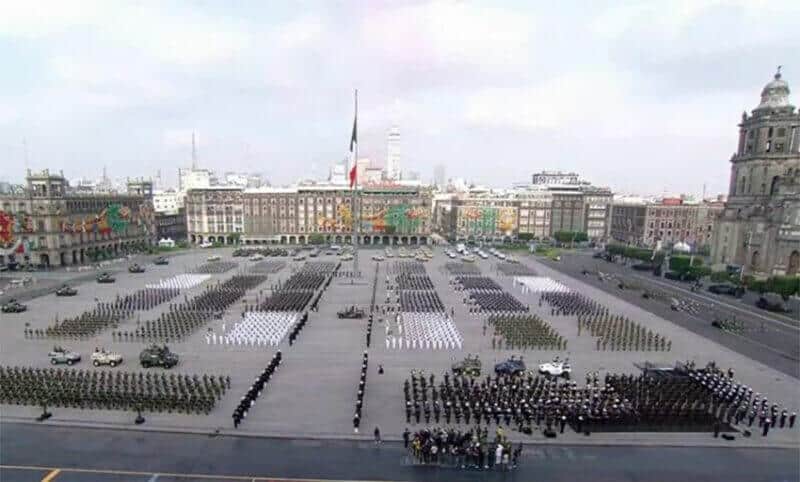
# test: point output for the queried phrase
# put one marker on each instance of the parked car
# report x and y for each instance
(61, 355)
(351, 313)
(377, 257)
(206, 245)
(214, 258)
(103, 357)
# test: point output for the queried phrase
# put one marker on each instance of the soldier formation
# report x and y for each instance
(523, 332)
(618, 333)
(183, 319)
(469, 449)
(258, 386)
(515, 269)
(362, 386)
(686, 399)
(216, 267)
(96, 389)
(106, 314)
(267, 267)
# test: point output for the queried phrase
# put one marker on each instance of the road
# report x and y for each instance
(770, 339)
(66, 454)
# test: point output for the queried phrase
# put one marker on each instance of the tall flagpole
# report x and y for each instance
(356, 222)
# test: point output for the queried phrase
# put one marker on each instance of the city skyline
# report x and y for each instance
(464, 95)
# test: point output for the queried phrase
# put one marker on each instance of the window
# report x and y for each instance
(769, 132)
(781, 132)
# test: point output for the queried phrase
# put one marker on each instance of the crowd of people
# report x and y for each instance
(258, 386)
(117, 390)
(690, 399)
(183, 319)
(461, 269)
(468, 449)
(523, 332)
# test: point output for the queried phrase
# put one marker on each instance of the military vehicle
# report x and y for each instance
(772, 302)
(350, 313)
(726, 289)
(512, 366)
(213, 258)
(135, 268)
(470, 366)
(14, 306)
(161, 261)
(103, 357)
(105, 278)
(61, 355)
(556, 368)
(158, 356)
(66, 290)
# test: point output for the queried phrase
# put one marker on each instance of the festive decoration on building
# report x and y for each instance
(396, 219)
(488, 220)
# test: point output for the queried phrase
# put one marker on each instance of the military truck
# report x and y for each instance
(66, 290)
(470, 366)
(135, 268)
(158, 356)
(103, 357)
(14, 306)
(350, 313)
(105, 278)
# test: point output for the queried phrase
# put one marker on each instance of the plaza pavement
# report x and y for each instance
(313, 392)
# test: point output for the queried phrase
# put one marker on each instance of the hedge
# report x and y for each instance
(570, 236)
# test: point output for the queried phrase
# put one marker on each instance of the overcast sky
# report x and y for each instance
(641, 96)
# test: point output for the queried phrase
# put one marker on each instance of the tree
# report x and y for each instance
(316, 238)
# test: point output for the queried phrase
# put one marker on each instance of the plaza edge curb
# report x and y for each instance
(368, 438)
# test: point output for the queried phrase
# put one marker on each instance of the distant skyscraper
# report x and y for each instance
(393, 154)
(439, 176)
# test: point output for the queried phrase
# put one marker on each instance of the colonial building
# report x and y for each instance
(759, 229)
(215, 214)
(666, 222)
(48, 223)
(297, 215)
(171, 225)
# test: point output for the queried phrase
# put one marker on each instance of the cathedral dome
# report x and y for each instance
(775, 93)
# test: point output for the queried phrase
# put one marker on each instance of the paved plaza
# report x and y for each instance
(313, 391)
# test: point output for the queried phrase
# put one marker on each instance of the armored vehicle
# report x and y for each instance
(158, 356)
(470, 366)
(772, 302)
(62, 355)
(135, 268)
(66, 290)
(105, 278)
(512, 366)
(103, 357)
(351, 313)
(161, 261)
(14, 306)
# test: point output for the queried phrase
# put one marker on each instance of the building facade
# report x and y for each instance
(171, 225)
(215, 214)
(48, 223)
(667, 222)
(759, 228)
(391, 215)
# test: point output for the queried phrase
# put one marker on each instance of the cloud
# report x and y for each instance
(555, 103)
(450, 33)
